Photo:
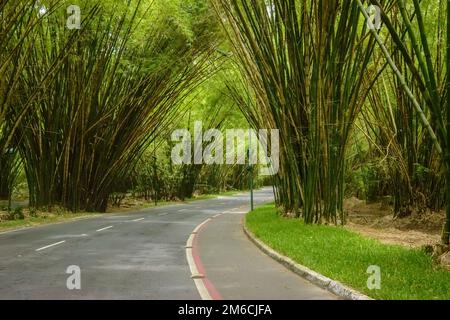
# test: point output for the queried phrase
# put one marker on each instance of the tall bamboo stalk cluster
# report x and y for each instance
(307, 64)
(419, 60)
(88, 101)
(401, 137)
(16, 22)
(312, 66)
(446, 229)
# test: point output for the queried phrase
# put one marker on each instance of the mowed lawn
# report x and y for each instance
(345, 256)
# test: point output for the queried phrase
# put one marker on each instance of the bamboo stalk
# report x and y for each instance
(446, 230)
(402, 80)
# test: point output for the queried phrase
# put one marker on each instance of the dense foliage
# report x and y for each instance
(86, 114)
(319, 69)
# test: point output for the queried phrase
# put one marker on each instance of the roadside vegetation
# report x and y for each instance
(363, 111)
(345, 256)
(25, 216)
(358, 89)
(86, 114)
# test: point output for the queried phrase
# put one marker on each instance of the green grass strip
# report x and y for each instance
(406, 274)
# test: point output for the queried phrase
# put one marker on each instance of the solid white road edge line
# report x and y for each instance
(51, 245)
(195, 274)
(190, 241)
(196, 230)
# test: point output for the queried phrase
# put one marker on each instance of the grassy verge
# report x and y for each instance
(140, 206)
(42, 219)
(63, 216)
(345, 256)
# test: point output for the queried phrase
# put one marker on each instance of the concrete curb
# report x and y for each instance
(326, 283)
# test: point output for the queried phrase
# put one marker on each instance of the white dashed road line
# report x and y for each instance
(103, 229)
(235, 212)
(137, 220)
(163, 214)
(51, 245)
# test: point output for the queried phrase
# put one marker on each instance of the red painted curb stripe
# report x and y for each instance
(215, 295)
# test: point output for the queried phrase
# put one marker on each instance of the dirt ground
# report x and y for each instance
(376, 220)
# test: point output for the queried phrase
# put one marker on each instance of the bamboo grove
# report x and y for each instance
(308, 85)
(82, 105)
(362, 109)
(322, 73)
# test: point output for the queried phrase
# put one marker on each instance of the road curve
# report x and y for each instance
(142, 255)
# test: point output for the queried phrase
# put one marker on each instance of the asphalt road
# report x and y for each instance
(142, 255)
